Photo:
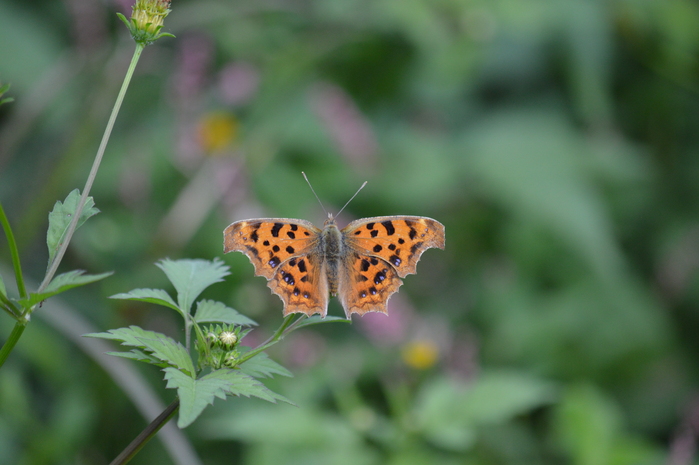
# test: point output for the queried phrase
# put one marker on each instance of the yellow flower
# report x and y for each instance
(217, 130)
(420, 354)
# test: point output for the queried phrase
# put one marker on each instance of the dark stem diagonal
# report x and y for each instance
(146, 435)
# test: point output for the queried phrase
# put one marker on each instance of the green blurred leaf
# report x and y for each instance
(531, 162)
(209, 311)
(3, 291)
(62, 283)
(261, 366)
(196, 394)
(449, 412)
(587, 425)
(191, 277)
(153, 296)
(61, 216)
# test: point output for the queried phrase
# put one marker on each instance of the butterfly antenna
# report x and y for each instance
(314, 192)
(355, 194)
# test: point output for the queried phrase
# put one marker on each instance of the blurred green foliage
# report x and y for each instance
(558, 141)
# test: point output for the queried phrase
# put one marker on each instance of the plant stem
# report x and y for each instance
(146, 435)
(14, 253)
(93, 172)
(12, 341)
(285, 327)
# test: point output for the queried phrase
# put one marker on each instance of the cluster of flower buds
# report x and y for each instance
(147, 18)
(219, 347)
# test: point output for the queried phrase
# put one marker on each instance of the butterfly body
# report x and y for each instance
(361, 264)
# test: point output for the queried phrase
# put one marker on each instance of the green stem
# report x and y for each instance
(285, 328)
(12, 341)
(93, 172)
(146, 435)
(14, 253)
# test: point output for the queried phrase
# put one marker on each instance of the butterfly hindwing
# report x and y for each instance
(366, 284)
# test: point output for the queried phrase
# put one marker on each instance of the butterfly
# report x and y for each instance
(361, 264)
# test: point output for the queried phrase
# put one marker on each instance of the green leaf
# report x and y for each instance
(3, 291)
(139, 356)
(160, 346)
(153, 296)
(191, 277)
(62, 283)
(61, 216)
(195, 395)
(261, 366)
(449, 413)
(170, 351)
(588, 424)
(317, 319)
(209, 311)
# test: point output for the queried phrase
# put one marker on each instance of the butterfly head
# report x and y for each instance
(330, 220)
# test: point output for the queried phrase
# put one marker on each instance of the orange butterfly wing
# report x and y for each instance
(285, 251)
(383, 250)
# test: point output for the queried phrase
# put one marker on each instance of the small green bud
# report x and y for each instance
(228, 338)
(147, 17)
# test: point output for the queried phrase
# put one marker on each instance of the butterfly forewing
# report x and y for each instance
(269, 242)
(398, 240)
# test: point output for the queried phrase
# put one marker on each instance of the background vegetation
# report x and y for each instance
(558, 141)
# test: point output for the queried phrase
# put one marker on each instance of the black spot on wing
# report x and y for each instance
(274, 262)
(291, 235)
(380, 276)
(365, 264)
(388, 224)
(276, 228)
(290, 249)
(275, 248)
(254, 237)
(375, 233)
(293, 227)
(377, 248)
(416, 246)
(302, 266)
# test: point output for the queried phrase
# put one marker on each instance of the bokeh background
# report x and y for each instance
(557, 141)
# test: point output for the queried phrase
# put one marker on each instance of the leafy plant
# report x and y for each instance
(215, 364)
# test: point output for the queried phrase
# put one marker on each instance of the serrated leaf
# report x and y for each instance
(317, 319)
(128, 336)
(169, 351)
(195, 395)
(62, 283)
(161, 346)
(139, 356)
(153, 296)
(209, 311)
(191, 277)
(261, 366)
(61, 216)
